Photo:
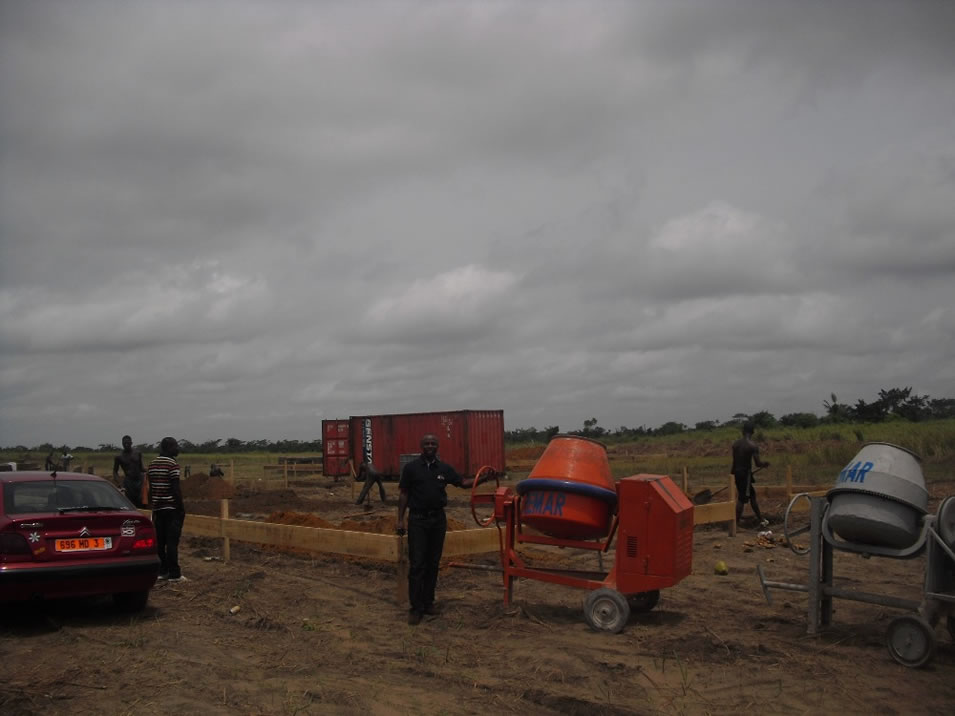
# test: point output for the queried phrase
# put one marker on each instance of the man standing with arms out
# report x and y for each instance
(422, 485)
(745, 453)
(131, 461)
(168, 510)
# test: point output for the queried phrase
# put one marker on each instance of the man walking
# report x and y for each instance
(422, 486)
(131, 462)
(169, 513)
(370, 475)
(745, 453)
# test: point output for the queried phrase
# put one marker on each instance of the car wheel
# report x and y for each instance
(131, 601)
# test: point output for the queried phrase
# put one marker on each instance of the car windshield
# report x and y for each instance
(62, 496)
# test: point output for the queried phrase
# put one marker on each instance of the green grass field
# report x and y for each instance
(815, 455)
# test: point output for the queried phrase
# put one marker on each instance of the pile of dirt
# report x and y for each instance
(199, 486)
(521, 454)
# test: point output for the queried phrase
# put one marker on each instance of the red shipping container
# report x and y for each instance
(467, 440)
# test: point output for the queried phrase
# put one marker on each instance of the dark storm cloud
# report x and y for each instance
(255, 215)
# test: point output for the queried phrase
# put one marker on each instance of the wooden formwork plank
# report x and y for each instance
(477, 541)
(714, 512)
(315, 539)
(202, 526)
(312, 539)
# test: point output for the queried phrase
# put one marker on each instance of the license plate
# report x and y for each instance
(84, 544)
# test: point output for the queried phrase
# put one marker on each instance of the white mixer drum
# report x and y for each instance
(879, 498)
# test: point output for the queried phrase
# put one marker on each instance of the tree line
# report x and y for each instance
(892, 404)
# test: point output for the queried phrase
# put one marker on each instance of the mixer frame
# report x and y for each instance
(910, 639)
(654, 522)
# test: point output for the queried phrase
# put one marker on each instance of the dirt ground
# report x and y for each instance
(277, 633)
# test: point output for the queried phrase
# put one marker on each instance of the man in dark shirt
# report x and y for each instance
(745, 453)
(131, 462)
(368, 473)
(169, 513)
(422, 486)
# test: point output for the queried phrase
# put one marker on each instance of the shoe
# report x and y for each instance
(178, 579)
(432, 610)
(414, 618)
(162, 577)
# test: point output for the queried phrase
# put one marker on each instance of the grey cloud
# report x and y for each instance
(252, 216)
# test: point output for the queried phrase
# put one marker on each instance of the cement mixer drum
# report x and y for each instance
(879, 498)
(945, 521)
(570, 492)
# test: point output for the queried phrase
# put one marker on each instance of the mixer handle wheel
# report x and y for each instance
(796, 532)
(910, 640)
(484, 499)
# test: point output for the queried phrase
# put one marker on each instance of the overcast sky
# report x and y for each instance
(234, 219)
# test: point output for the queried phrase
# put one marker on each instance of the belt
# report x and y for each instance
(427, 513)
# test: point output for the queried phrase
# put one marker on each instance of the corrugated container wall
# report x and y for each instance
(467, 440)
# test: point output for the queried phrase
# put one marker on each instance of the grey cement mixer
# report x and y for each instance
(878, 507)
(879, 498)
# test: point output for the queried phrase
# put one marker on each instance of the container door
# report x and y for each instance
(336, 447)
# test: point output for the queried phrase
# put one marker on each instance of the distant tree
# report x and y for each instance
(763, 419)
(799, 420)
(836, 412)
(670, 428)
(705, 425)
(591, 429)
(107, 447)
(737, 420)
(863, 412)
(234, 444)
(941, 408)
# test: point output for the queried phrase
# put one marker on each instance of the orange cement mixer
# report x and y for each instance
(570, 499)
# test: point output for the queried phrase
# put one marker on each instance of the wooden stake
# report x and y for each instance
(686, 481)
(789, 481)
(226, 545)
(733, 498)
(401, 572)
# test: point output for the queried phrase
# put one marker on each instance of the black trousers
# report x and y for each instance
(425, 545)
(134, 491)
(168, 531)
(366, 488)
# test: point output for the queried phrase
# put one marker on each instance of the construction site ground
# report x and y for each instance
(273, 632)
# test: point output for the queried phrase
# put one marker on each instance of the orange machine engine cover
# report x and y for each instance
(655, 534)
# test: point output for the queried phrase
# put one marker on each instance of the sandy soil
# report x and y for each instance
(319, 634)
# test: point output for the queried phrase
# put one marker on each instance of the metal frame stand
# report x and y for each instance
(910, 640)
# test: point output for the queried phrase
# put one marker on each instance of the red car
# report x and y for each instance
(72, 535)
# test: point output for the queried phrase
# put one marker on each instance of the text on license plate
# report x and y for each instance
(84, 544)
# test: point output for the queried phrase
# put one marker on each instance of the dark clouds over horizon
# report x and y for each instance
(232, 219)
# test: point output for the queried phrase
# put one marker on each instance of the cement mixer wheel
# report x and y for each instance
(643, 601)
(606, 609)
(911, 641)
